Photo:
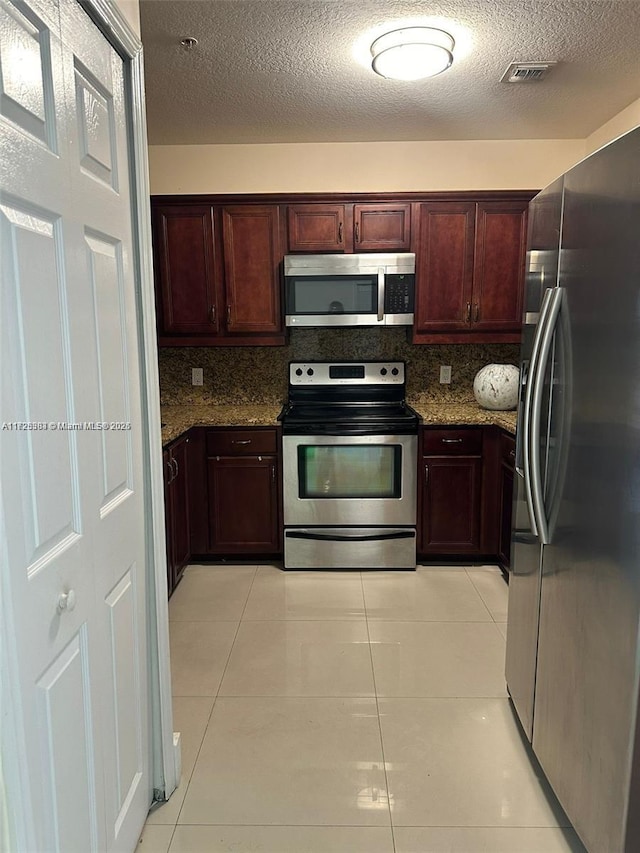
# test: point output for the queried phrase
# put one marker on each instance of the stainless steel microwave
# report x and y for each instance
(350, 290)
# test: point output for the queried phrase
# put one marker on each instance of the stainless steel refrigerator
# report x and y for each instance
(573, 659)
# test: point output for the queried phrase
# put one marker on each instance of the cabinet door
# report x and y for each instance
(451, 504)
(498, 279)
(168, 518)
(506, 498)
(382, 227)
(319, 228)
(180, 508)
(252, 259)
(243, 516)
(185, 276)
(444, 268)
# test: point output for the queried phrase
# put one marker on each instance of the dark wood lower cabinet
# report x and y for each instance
(465, 492)
(243, 502)
(507, 466)
(176, 499)
(451, 504)
(242, 491)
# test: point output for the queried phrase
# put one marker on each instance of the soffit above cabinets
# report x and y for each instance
(284, 70)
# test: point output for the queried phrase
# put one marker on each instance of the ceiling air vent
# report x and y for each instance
(526, 72)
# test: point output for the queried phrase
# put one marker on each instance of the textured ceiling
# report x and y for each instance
(286, 70)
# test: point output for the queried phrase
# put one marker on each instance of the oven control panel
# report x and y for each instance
(346, 373)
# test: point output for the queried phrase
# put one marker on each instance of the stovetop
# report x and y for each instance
(347, 398)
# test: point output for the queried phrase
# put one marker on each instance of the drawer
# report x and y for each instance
(508, 449)
(452, 441)
(229, 442)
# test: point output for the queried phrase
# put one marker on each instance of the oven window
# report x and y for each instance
(349, 471)
(356, 294)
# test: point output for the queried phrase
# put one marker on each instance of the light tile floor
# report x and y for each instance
(348, 712)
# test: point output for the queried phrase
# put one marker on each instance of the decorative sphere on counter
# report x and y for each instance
(496, 387)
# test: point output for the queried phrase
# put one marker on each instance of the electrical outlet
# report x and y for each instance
(197, 376)
(445, 374)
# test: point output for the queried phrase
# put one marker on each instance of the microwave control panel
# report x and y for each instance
(399, 293)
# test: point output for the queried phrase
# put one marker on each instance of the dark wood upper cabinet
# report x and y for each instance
(498, 278)
(251, 239)
(185, 277)
(381, 227)
(444, 271)
(218, 274)
(370, 227)
(319, 227)
(470, 271)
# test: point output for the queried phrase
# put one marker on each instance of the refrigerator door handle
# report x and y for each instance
(530, 378)
(555, 304)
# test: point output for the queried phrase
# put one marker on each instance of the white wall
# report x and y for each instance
(131, 10)
(361, 166)
(625, 120)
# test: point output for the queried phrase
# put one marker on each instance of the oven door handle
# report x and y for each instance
(335, 537)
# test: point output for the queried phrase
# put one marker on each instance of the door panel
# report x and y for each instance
(499, 270)
(451, 504)
(444, 274)
(67, 750)
(72, 492)
(252, 260)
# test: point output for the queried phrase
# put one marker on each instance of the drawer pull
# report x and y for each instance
(468, 312)
(512, 454)
(239, 441)
(426, 475)
(452, 441)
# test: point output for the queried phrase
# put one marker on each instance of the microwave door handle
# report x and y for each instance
(381, 271)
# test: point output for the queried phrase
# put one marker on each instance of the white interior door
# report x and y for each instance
(71, 442)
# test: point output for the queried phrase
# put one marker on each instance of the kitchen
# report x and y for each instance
(334, 167)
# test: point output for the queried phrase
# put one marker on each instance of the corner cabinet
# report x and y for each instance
(470, 271)
(370, 227)
(218, 274)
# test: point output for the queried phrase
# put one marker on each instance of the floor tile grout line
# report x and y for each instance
(375, 691)
(215, 699)
(480, 596)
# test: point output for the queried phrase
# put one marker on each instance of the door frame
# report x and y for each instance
(16, 825)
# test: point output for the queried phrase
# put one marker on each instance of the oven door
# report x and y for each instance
(363, 480)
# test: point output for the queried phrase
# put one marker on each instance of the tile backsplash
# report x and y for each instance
(245, 375)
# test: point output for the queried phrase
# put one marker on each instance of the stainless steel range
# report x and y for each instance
(350, 445)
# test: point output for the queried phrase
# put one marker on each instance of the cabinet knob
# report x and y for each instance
(67, 600)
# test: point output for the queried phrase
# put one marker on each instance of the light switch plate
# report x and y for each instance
(445, 374)
(197, 376)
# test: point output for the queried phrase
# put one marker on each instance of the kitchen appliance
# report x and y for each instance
(350, 290)
(349, 447)
(574, 590)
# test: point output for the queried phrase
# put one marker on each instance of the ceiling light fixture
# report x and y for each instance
(412, 53)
